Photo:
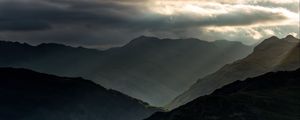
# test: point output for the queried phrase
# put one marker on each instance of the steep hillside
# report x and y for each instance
(28, 95)
(273, 54)
(272, 96)
(147, 66)
(142, 68)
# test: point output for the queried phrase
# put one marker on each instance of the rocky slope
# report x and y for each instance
(272, 96)
(272, 54)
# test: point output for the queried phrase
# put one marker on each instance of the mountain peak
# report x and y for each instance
(273, 38)
(272, 41)
(290, 37)
(141, 40)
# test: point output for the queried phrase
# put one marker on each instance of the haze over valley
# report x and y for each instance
(149, 59)
(142, 68)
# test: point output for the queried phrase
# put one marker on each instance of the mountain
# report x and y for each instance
(47, 57)
(272, 96)
(142, 68)
(28, 95)
(273, 54)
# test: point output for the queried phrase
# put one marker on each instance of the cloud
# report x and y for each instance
(23, 25)
(115, 22)
(221, 14)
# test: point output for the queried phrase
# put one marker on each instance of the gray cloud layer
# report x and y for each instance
(99, 23)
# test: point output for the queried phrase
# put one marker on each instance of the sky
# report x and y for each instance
(109, 23)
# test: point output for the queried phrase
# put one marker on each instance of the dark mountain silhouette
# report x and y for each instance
(142, 68)
(273, 54)
(272, 96)
(28, 95)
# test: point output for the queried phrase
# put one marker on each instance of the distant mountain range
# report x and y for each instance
(143, 68)
(272, 96)
(273, 54)
(28, 95)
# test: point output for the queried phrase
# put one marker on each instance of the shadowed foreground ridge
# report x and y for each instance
(28, 95)
(272, 96)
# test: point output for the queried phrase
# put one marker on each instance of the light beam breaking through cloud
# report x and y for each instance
(101, 23)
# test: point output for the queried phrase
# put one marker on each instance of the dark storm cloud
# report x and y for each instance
(70, 22)
(23, 25)
(111, 14)
(46, 14)
(114, 22)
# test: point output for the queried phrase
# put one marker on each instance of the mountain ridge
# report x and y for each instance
(142, 68)
(271, 96)
(266, 57)
(30, 95)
